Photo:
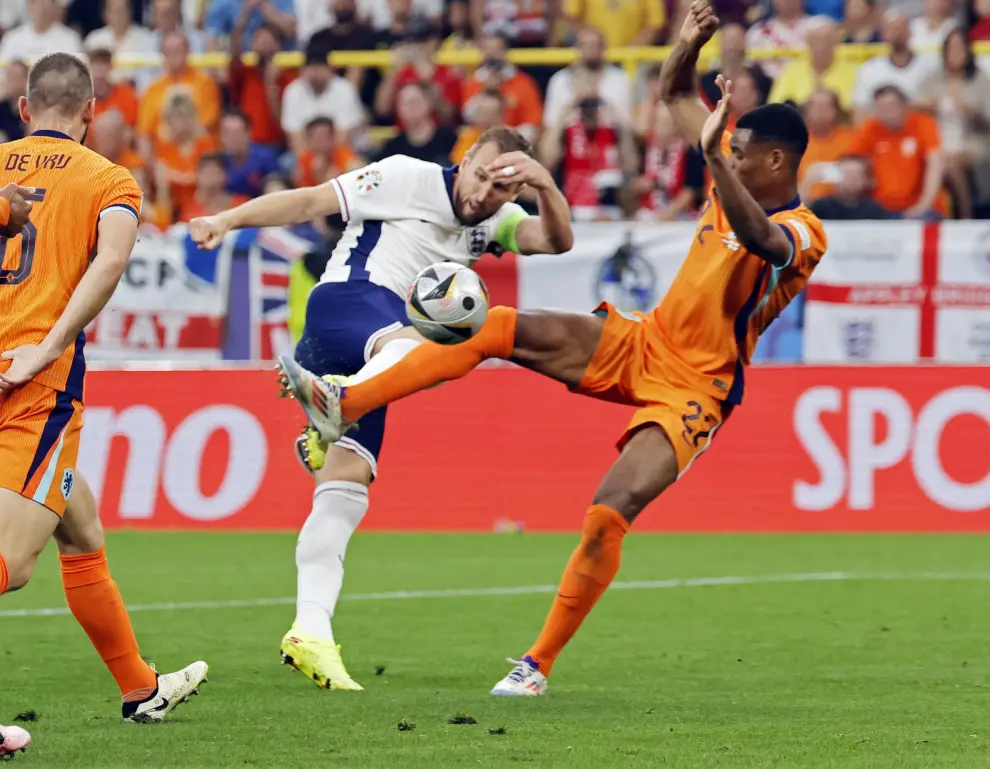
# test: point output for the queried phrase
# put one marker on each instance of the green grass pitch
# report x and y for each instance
(877, 656)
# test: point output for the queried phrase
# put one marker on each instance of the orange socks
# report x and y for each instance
(4, 576)
(430, 364)
(590, 571)
(95, 602)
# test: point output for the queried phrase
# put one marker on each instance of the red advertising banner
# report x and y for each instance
(812, 449)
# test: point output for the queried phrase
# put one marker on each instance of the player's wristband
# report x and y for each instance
(505, 236)
(4, 212)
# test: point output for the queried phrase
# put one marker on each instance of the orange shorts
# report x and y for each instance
(39, 444)
(632, 366)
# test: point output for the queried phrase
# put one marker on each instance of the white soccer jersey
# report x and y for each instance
(400, 219)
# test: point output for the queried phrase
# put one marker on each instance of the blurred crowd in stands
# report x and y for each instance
(905, 134)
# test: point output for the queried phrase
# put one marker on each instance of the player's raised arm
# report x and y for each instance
(678, 86)
(117, 233)
(272, 210)
(748, 217)
(548, 233)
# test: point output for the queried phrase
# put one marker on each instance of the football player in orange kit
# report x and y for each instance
(682, 364)
(58, 269)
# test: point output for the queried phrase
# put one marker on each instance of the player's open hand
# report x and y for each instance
(208, 231)
(518, 167)
(699, 25)
(20, 209)
(711, 134)
(26, 362)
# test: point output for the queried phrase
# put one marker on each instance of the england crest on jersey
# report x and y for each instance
(477, 240)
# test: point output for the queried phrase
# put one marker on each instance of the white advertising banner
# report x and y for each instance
(630, 265)
(900, 292)
(163, 309)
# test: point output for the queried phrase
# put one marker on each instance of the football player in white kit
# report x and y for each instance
(402, 215)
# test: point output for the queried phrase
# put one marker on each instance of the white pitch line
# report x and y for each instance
(661, 584)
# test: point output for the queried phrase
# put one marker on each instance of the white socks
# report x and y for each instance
(338, 507)
(390, 354)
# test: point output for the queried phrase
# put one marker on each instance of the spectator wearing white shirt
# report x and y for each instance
(589, 73)
(787, 28)
(902, 68)
(121, 36)
(42, 34)
(318, 92)
(166, 17)
(928, 31)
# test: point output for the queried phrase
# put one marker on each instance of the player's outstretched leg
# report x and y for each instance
(647, 466)
(12, 740)
(95, 601)
(558, 345)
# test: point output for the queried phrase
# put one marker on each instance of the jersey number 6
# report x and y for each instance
(29, 237)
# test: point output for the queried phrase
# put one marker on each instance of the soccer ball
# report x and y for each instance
(447, 303)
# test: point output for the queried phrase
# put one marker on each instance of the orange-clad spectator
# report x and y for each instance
(120, 97)
(257, 89)
(489, 111)
(179, 76)
(211, 196)
(905, 150)
(523, 102)
(185, 143)
(110, 136)
(324, 157)
(828, 142)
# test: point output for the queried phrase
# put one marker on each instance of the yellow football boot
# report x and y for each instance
(319, 660)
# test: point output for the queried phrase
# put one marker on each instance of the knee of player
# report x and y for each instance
(344, 465)
(20, 567)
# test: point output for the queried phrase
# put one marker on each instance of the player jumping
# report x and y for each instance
(682, 364)
(402, 215)
(59, 268)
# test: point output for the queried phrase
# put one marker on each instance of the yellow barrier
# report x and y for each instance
(629, 58)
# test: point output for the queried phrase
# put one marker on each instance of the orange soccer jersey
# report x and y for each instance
(41, 267)
(724, 296)
(683, 362)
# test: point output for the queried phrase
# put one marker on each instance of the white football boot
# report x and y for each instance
(13, 739)
(524, 680)
(319, 398)
(173, 689)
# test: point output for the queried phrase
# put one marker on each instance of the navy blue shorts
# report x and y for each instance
(344, 321)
